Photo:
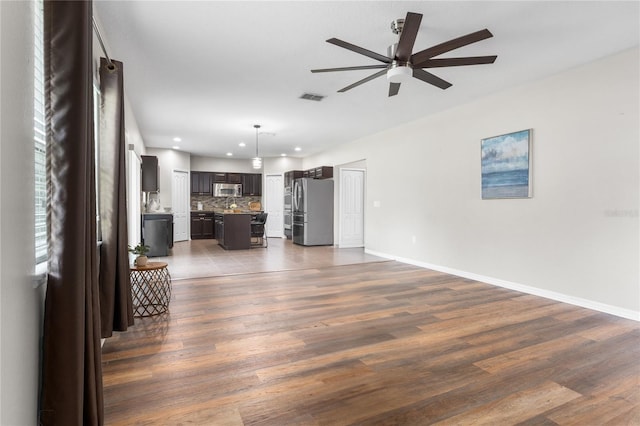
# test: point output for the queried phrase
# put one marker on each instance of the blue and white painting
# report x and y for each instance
(506, 165)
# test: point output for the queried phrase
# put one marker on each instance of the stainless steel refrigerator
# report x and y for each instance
(312, 212)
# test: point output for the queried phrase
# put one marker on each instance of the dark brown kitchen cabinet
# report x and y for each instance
(149, 173)
(201, 183)
(290, 176)
(219, 177)
(251, 184)
(234, 177)
(324, 172)
(202, 225)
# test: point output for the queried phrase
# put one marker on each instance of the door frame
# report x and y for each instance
(341, 207)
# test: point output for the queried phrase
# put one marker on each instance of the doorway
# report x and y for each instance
(180, 196)
(274, 205)
(351, 233)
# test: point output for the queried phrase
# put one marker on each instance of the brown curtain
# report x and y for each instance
(71, 367)
(116, 307)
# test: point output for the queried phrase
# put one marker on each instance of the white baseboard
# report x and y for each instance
(559, 297)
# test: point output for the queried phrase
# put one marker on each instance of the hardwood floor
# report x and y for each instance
(370, 343)
(205, 258)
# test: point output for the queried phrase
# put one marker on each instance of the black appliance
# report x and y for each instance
(157, 233)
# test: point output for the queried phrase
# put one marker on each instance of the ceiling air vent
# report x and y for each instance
(312, 97)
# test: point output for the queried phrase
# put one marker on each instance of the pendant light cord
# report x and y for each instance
(257, 127)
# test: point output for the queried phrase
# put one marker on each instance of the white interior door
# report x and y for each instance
(351, 208)
(180, 205)
(133, 199)
(274, 205)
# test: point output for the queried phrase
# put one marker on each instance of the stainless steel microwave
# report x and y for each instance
(227, 190)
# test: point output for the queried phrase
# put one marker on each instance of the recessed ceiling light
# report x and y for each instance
(175, 147)
(283, 155)
(242, 144)
(177, 139)
(229, 154)
(297, 148)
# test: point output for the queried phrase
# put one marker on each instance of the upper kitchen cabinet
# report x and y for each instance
(149, 173)
(219, 177)
(201, 183)
(234, 177)
(251, 184)
(324, 172)
(290, 176)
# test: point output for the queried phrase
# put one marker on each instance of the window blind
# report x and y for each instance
(39, 136)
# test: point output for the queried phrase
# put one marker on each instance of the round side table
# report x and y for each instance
(150, 289)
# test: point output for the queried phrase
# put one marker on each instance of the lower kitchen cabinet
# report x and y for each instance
(202, 225)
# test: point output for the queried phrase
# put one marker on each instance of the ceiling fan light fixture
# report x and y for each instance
(399, 74)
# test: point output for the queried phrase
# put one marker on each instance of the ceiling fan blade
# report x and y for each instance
(364, 80)
(420, 57)
(363, 67)
(360, 50)
(394, 88)
(408, 36)
(456, 62)
(430, 78)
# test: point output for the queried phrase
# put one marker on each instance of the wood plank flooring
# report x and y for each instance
(377, 343)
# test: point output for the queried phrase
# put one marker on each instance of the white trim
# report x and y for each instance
(559, 297)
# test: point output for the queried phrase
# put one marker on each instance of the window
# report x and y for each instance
(39, 136)
(40, 140)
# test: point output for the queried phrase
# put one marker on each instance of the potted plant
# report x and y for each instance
(141, 251)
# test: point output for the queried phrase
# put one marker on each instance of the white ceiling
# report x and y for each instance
(207, 71)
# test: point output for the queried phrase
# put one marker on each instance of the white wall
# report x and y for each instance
(281, 164)
(21, 305)
(269, 165)
(216, 164)
(578, 237)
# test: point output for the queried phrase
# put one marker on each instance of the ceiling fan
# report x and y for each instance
(400, 62)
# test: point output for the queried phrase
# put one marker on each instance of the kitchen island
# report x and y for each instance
(233, 230)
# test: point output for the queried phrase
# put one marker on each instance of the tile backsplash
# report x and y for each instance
(220, 203)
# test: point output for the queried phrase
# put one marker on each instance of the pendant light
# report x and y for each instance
(257, 161)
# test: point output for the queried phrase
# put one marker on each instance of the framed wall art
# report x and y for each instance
(506, 165)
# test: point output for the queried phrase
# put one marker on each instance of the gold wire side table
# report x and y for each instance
(150, 289)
